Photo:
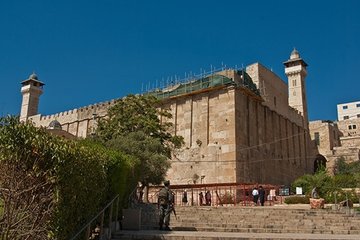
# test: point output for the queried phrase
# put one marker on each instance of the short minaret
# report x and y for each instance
(295, 70)
(31, 90)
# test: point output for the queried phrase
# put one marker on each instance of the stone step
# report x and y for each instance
(199, 235)
(272, 229)
(258, 220)
(345, 226)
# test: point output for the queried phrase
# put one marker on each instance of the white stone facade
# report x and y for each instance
(349, 110)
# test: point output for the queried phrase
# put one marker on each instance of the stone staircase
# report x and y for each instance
(250, 223)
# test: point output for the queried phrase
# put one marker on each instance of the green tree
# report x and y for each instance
(137, 125)
(138, 113)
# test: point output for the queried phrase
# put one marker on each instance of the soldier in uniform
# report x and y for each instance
(165, 205)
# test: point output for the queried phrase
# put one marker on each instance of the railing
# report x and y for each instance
(220, 194)
(99, 231)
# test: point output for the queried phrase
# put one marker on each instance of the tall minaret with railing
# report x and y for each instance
(31, 90)
(295, 70)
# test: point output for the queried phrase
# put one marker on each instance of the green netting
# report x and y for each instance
(196, 85)
(206, 82)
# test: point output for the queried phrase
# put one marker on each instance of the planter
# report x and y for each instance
(317, 203)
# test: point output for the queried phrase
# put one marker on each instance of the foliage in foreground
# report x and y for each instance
(49, 186)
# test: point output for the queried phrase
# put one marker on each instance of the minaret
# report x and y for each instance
(295, 70)
(31, 90)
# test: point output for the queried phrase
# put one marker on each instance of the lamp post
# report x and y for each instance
(201, 178)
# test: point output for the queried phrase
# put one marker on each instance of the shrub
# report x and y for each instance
(58, 184)
(297, 200)
(345, 181)
(341, 195)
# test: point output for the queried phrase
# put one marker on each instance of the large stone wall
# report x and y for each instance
(270, 148)
(274, 91)
(206, 121)
(232, 137)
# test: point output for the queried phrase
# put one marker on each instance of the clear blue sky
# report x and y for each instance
(91, 51)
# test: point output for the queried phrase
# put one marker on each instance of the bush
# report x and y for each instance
(341, 195)
(345, 181)
(297, 200)
(81, 187)
(119, 170)
(58, 184)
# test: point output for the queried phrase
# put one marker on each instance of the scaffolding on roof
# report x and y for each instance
(210, 81)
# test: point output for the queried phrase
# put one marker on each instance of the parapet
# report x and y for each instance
(77, 114)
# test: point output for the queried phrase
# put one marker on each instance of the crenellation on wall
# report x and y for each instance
(79, 121)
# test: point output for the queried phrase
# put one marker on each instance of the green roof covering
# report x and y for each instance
(196, 85)
(203, 83)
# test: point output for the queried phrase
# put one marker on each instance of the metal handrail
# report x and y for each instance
(101, 213)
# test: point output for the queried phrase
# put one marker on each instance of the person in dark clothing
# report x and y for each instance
(201, 198)
(261, 195)
(184, 198)
(208, 198)
(165, 205)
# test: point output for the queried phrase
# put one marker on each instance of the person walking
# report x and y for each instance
(262, 195)
(165, 206)
(201, 198)
(208, 198)
(255, 194)
(184, 198)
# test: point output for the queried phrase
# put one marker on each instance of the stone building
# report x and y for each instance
(349, 110)
(337, 139)
(239, 125)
